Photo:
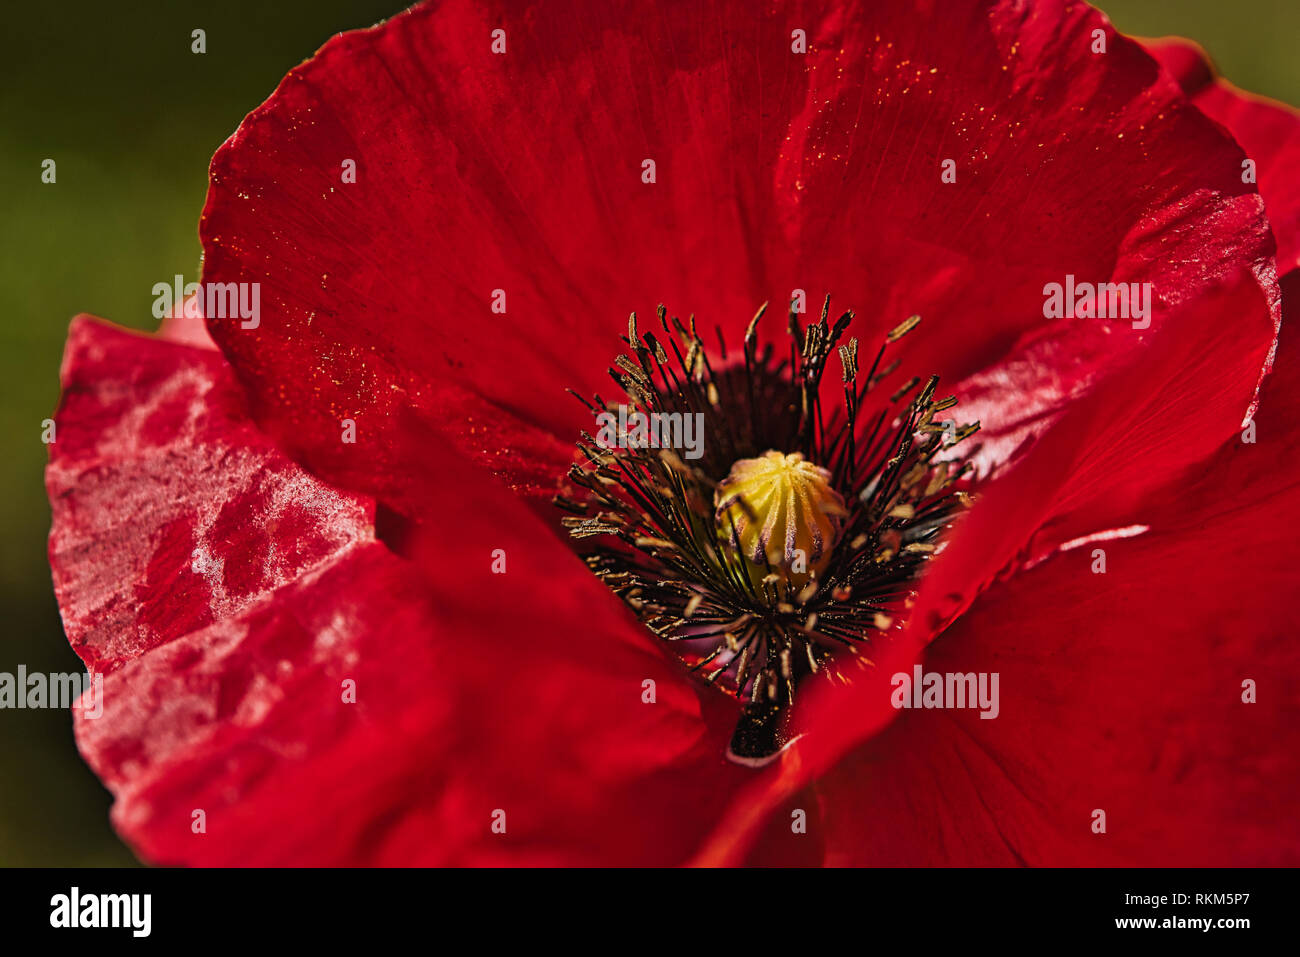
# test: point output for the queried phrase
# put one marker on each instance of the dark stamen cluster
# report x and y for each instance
(654, 534)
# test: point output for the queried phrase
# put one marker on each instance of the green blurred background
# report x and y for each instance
(132, 117)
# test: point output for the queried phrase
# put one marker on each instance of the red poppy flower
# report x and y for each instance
(446, 217)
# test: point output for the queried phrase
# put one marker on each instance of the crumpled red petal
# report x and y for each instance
(231, 598)
(1267, 130)
(470, 711)
(522, 172)
(170, 509)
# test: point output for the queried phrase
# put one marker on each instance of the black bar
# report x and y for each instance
(868, 907)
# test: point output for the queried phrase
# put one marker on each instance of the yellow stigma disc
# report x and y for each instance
(783, 509)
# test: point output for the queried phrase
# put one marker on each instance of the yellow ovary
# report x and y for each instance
(784, 509)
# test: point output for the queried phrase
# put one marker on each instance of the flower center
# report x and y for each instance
(765, 568)
(780, 513)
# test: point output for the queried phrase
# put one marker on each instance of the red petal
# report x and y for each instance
(775, 171)
(377, 294)
(1243, 472)
(170, 509)
(229, 595)
(475, 693)
(1140, 428)
(1087, 474)
(1121, 692)
(1267, 130)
